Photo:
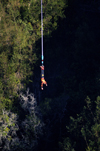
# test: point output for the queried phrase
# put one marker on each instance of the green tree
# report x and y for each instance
(21, 132)
(20, 26)
(84, 131)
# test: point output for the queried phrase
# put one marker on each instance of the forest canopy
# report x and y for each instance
(65, 116)
(20, 26)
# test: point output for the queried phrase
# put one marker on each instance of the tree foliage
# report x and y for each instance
(59, 118)
(17, 134)
(20, 27)
(84, 129)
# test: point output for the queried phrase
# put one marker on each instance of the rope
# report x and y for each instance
(42, 58)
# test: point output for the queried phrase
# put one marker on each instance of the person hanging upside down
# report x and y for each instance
(42, 77)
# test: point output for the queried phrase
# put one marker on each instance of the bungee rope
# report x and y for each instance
(42, 32)
(42, 57)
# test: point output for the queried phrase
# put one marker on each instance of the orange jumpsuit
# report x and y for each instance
(43, 82)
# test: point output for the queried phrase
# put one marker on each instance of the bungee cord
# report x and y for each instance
(42, 57)
(42, 31)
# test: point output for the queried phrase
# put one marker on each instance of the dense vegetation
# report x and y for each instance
(66, 115)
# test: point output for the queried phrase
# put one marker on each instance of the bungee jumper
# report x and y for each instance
(42, 67)
(42, 77)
